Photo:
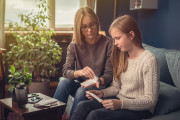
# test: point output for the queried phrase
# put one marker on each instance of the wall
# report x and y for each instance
(105, 12)
(160, 28)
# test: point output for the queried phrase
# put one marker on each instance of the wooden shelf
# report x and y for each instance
(71, 32)
(143, 4)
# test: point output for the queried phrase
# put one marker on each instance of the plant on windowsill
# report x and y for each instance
(33, 47)
(19, 81)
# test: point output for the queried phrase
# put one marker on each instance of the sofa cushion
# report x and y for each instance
(173, 61)
(160, 54)
(168, 101)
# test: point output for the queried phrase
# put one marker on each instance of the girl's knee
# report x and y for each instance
(93, 115)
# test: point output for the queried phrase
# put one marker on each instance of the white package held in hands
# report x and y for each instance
(94, 96)
(89, 81)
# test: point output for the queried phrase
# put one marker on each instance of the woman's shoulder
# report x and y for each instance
(107, 41)
(106, 38)
(71, 45)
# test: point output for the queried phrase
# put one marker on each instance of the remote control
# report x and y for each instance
(32, 95)
(94, 96)
(33, 100)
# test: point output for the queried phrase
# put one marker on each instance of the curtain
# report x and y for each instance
(89, 3)
(2, 17)
(83, 3)
(51, 12)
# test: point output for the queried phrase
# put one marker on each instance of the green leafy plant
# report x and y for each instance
(19, 79)
(33, 47)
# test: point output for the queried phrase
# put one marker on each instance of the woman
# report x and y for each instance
(87, 56)
(134, 91)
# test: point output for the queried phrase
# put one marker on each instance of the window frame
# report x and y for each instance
(51, 23)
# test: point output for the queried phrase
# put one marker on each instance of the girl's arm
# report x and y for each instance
(151, 71)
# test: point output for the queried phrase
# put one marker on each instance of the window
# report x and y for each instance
(16, 7)
(65, 11)
(62, 11)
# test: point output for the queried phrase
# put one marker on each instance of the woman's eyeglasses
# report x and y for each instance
(91, 26)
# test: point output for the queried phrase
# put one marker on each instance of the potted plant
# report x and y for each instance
(18, 82)
(33, 47)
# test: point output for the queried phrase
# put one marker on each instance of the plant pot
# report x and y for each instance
(40, 87)
(21, 96)
(13, 95)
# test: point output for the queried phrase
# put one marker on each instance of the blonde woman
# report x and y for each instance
(134, 91)
(87, 55)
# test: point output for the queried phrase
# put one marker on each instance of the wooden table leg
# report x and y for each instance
(60, 113)
(22, 118)
(1, 112)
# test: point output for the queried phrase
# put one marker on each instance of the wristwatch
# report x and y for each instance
(99, 80)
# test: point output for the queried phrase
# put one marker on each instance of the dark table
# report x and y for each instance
(29, 112)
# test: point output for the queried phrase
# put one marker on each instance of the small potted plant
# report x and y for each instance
(18, 82)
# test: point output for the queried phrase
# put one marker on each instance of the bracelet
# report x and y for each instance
(99, 80)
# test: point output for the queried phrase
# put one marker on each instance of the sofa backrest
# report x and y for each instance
(164, 71)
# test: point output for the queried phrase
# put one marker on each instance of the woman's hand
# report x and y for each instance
(100, 82)
(112, 104)
(98, 93)
(86, 71)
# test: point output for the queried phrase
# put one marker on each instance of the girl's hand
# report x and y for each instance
(112, 104)
(86, 71)
(98, 93)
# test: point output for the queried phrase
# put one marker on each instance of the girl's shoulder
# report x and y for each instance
(150, 55)
(150, 58)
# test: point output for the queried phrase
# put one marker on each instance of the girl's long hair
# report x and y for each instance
(119, 59)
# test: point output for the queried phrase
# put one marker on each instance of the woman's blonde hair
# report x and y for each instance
(83, 11)
(119, 59)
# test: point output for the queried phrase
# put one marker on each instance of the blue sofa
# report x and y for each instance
(168, 105)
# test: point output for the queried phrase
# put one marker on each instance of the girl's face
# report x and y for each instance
(88, 27)
(123, 41)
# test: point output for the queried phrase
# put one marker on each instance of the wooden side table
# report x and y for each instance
(29, 112)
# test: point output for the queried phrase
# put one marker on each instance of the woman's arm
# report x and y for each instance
(107, 77)
(69, 66)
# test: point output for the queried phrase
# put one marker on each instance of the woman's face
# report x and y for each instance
(88, 27)
(123, 41)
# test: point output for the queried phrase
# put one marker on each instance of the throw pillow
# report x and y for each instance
(168, 101)
(173, 61)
